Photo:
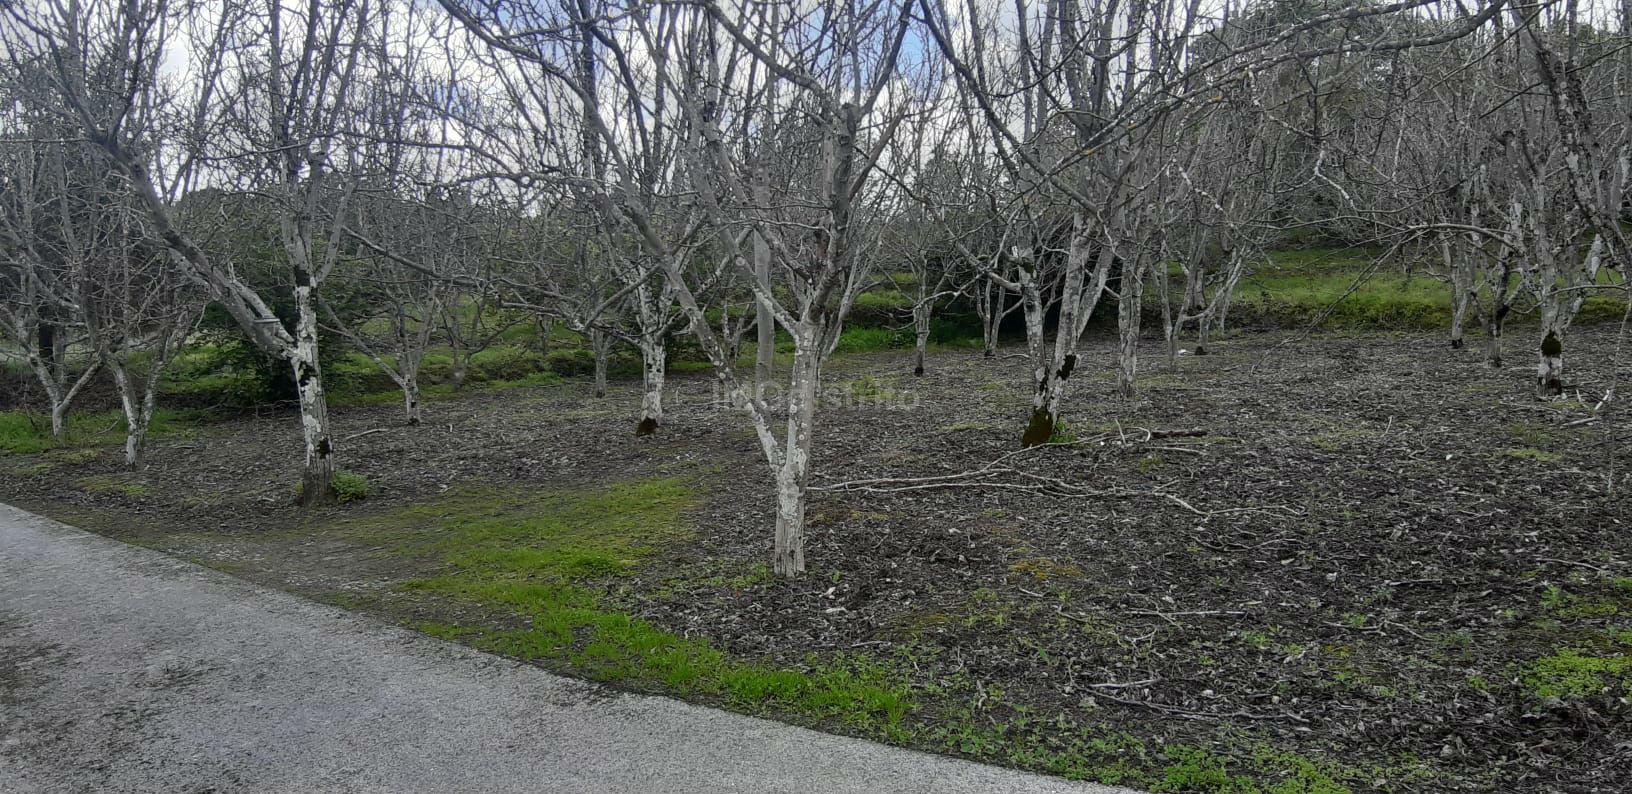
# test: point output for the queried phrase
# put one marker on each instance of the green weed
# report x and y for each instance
(1570, 673)
(350, 486)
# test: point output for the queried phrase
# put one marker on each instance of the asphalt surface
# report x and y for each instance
(122, 669)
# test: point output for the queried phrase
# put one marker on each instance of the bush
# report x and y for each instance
(227, 371)
(570, 361)
(356, 373)
(350, 486)
(881, 307)
(856, 340)
(436, 368)
(506, 363)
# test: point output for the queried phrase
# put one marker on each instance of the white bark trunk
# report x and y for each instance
(136, 446)
(410, 398)
(792, 476)
(138, 410)
(1459, 315)
(48, 372)
(52, 375)
(653, 372)
(989, 305)
(317, 482)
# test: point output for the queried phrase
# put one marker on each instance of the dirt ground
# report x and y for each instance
(1369, 555)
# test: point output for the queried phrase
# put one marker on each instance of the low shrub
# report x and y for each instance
(570, 361)
(350, 486)
(356, 373)
(856, 339)
(506, 363)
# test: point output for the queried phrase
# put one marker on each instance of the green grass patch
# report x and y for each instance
(549, 558)
(1572, 673)
(111, 483)
(1533, 454)
(432, 392)
(545, 570)
(945, 332)
(1296, 285)
(884, 298)
(1387, 301)
(869, 387)
(1567, 605)
(860, 339)
(29, 432)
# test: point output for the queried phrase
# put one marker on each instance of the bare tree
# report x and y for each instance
(261, 111)
(707, 75)
(1594, 148)
(139, 309)
(43, 248)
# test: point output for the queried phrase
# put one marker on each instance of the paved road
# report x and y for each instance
(122, 669)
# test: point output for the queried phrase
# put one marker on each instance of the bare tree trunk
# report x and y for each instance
(1129, 302)
(1557, 312)
(47, 337)
(58, 391)
(991, 314)
(653, 371)
(1220, 310)
(1052, 367)
(136, 424)
(1493, 340)
(461, 370)
(764, 319)
(1461, 272)
(1459, 313)
(600, 344)
(136, 446)
(1044, 387)
(920, 329)
(1171, 320)
(546, 330)
(1193, 305)
(138, 410)
(410, 398)
(792, 476)
(1550, 367)
(317, 482)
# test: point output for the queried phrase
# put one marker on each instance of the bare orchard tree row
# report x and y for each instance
(434, 174)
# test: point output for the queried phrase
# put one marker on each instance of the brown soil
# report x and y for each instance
(1372, 540)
